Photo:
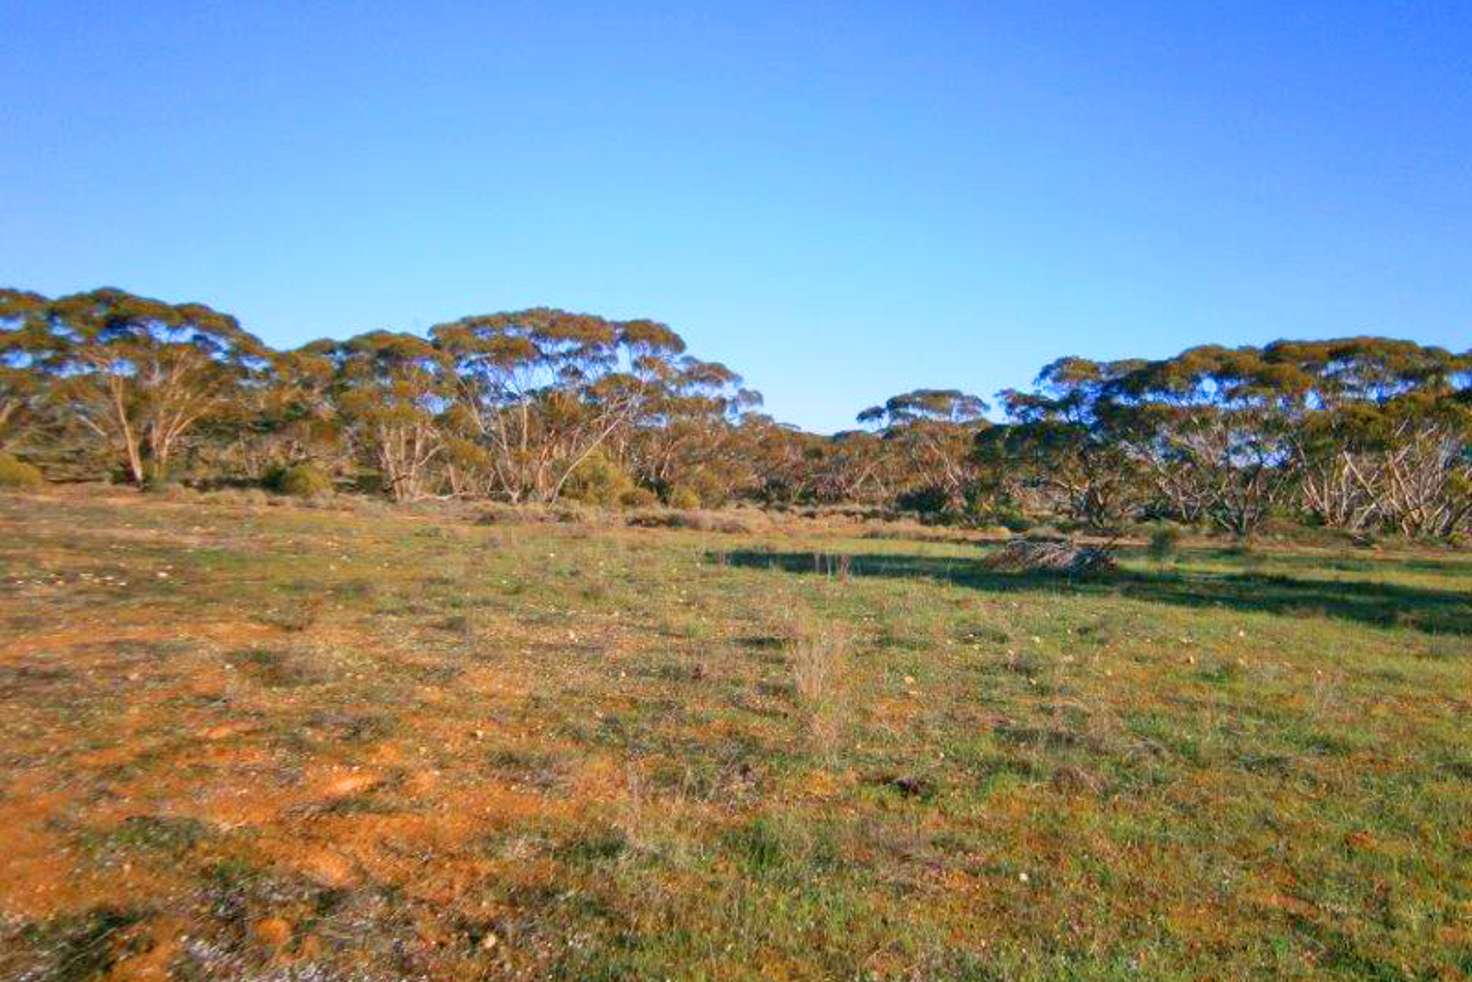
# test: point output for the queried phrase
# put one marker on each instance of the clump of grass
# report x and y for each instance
(272, 668)
(157, 833)
(251, 497)
(819, 655)
(759, 845)
(294, 615)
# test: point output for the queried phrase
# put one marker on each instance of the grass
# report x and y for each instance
(388, 743)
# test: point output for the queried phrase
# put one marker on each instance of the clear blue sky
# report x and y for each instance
(842, 201)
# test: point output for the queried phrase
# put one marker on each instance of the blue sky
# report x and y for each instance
(842, 201)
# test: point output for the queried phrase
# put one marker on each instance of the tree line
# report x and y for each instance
(1364, 434)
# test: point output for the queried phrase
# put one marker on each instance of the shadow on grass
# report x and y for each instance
(1378, 604)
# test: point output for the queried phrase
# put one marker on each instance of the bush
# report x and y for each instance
(303, 481)
(684, 497)
(16, 473)
(1165, 543)
(639, 498)
(930, 501)
(598, 480)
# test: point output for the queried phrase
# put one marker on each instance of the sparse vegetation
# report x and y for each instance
(244, 740)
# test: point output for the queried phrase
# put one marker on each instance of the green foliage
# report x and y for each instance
(930, 501)
(301, 481)
(1358, 436)
(598, 480)
(16, 473)
(1165, 542)
(684, 496)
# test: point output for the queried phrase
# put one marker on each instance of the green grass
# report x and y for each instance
(398, 744)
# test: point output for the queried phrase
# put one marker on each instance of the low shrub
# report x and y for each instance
(683, 497)
(639, 498)
(167, 489)
(16, 473)
(1165, 543)
(301, 481)
(598, 480)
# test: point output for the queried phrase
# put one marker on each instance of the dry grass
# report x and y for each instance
(819, 652)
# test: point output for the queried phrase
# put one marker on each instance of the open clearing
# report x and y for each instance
(241, 740)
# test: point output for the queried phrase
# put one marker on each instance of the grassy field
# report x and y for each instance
(241, 740)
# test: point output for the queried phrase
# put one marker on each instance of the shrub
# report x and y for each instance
(684, 497)
(301, 481)
(598, 480)
(16, 473)
(930, 501)
(639, 498)
(1165, 543)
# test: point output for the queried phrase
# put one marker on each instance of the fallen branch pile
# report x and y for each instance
(1024, 556)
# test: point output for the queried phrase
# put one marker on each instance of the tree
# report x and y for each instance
(1376, 431)
(392, 389)
(24, 343)
(541, 389)
(1060, 442)
(687, 435)
(138, 373)
(933, 429)
(1207, 427)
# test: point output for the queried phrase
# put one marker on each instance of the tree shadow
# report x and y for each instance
(1377, 604)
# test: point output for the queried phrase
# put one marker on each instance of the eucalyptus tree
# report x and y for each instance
(856, 466)
(288, 414)
(24, 341)
(688, 435)
(1379, 432)
(393, 390)
(139, 374)
(1061, 443)
(1207, 427)
(933, 429)
(542, 389)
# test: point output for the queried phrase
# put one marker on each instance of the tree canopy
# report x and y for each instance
(1363, 434)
